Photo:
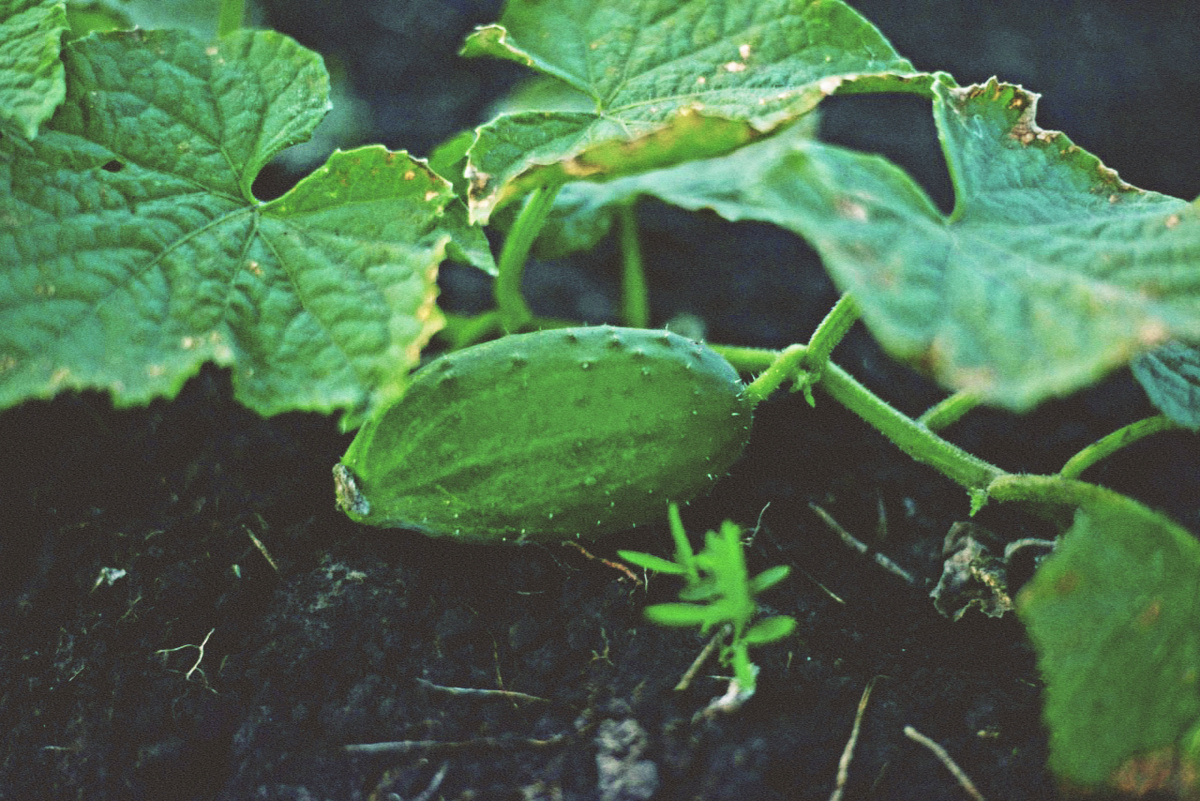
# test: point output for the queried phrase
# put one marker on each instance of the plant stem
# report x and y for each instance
(907, 434)
(1110, 444)
(784, 366)
(805, 363)
(514, 312)
(635, 302)
(830, 332)
(230, 16)
(949, 411)
(1066, 492)
(746, 360)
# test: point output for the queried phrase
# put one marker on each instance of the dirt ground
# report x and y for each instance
(184, 614)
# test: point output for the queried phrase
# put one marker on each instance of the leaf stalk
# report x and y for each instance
(515, 313)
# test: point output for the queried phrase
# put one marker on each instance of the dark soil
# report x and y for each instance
(185, 615)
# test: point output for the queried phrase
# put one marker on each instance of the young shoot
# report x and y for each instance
(718, 591)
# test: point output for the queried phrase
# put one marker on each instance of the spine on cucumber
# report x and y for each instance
(566, 433)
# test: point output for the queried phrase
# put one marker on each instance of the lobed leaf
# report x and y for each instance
(1115, 615)
(1049, 272)
(670, 81)
(132, 249)
(31, 74)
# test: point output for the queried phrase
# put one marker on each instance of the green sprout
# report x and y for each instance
(718, 591)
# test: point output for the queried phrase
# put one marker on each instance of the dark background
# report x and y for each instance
(324, 644)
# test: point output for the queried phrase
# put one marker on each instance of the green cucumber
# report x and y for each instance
(574, 432)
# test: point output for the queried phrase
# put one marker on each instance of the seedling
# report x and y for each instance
(134, 251)
(718, 591)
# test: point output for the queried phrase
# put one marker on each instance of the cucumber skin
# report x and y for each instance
(566, 433)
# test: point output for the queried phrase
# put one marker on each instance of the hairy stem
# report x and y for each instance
(804, 363)
(949, 411)
(1110, 444)
(514, 312)
(785, 365)
(830, 332)
(635, 301)
(1065, 493)
(907, 434)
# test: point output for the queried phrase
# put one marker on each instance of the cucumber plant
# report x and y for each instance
(133, 251)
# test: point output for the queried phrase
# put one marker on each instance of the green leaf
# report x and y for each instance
(88, 16)
(31, 74)
(1114, 614)
(651, 562)
(682, 615)
(768, 578)
(132, 250)
(669, 82)
(1170, 374)
(198, 17)
(768, 630)
(1049, 272)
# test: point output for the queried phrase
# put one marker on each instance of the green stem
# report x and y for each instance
(1064, 493)
(948, 411)
(830, 332)
(784, 366)
(805, 363)
(1108, 445)
(635, 303)
(514, 312)
(230, 16)
(746, 360)
(907, 434)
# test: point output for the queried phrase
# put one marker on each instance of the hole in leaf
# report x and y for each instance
(898, 127)
(273, 181)
(112, 165)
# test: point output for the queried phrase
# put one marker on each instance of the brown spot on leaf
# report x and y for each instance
(1149, 616)
(1172, 220)
(851, 210)
(1163, 770)
(1067, 583)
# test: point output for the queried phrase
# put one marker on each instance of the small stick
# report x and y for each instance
(607, 562)
(262, 549)
(200, 658)
(843, 774)
(434, 784)
(473, 692)
(482, 743)
(861, 547)
(705, 653)
(941, 754)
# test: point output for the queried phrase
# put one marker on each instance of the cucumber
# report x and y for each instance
(574, 432)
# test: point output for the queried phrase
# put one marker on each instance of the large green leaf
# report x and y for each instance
(1115, 615)
(132, 249)
(1049, 272)
(668, 80)
(31, 74)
